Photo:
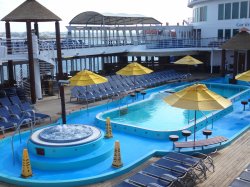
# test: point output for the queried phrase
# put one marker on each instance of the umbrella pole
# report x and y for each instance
(87, 100)
(194, 125)
(134, 82)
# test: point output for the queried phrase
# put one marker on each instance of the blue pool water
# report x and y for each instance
(134, 149)
(155, 114)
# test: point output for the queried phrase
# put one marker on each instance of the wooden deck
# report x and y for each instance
(229, 163)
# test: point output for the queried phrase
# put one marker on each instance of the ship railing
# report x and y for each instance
(17, 46)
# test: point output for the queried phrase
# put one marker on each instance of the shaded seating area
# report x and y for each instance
(174, 169)
(243, 180)
(200, 143)
(119, 85)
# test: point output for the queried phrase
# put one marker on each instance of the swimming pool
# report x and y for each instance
(100, 168)
(156, 115)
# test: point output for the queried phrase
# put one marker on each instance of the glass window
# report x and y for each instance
(227, 33)
(221, 12)
(228, 11)
(235, 11)
(235, 31)
(194, 20)
(198, 14)
(249, 9)
(220, 34)
(243, 9)
(204, 13)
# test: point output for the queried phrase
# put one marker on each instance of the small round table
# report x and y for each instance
(186, 133)
(244, 103)
(207, 132)
(143, 93)
(173, 138)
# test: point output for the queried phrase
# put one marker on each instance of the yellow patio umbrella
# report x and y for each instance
(197, 97)
(245, 76)
(86, 78)
(188, 60)
(134, 69)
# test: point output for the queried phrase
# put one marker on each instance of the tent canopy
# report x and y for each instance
(95, 18)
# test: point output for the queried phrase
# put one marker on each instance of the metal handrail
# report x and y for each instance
(22, 121)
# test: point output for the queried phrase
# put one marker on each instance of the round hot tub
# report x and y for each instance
(65, 140)
(65, 135)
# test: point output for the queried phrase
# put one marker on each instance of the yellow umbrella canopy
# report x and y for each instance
(134, 68)
(245, 76)
(85, 78)
(197, 97)
(188, 60)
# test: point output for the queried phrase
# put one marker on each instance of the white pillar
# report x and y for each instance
(36, 67)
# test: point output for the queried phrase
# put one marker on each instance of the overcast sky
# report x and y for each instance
(162, 10)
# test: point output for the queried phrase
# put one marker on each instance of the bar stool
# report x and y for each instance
(132, 95)
(186, 133)
(244, 103)
(173, 138)
(143, 93)
(207, 132)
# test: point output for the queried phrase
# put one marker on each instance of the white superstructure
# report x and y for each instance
(220, 18)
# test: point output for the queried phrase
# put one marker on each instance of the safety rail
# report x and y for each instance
(18, 46)
(22, 121)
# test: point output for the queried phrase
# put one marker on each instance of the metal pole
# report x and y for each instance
(60, 71)
(194, 125)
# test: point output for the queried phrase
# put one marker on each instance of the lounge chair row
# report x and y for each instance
(119, 85)
(174, 169)
(13, 113)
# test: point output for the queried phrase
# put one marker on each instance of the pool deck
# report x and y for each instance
(229, 162)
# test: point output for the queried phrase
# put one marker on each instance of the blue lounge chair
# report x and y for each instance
(245, 175)
(4, 101)
(11, 119)
(171, 176)
(172, 165)
(26, 107)
(146, 180)
(5, 125)
(197, 163)
(239, 183)
(14, 109)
